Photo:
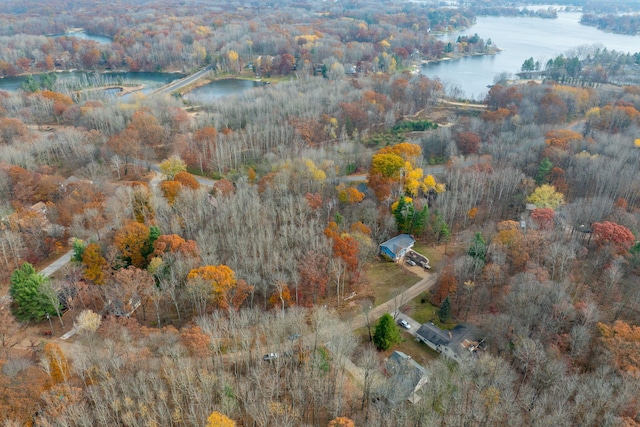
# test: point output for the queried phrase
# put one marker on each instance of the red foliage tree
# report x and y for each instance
(468, 142)
(543, 218)
(619, 237)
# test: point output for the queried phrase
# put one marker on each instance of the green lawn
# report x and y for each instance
(426, 312)
(387, 279)
(420, 352)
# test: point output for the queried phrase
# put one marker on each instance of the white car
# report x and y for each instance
(404, 324)
(411, 263)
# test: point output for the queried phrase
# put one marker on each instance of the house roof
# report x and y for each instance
(433, 334)
(462, 337)
(398, 243)
(408, 377)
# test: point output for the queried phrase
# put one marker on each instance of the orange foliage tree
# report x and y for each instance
(448, 285)
(225, 290)
(20, 394)
(623, 341)
(196, 341)
(170, 190)
(57, 363)
(186, 179)
(172, 243)
(131, 241)
(349, 195)
(216, 419)
(341, 422)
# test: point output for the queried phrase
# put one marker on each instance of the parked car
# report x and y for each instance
(404, 324)
(270, 356)
(411, 263)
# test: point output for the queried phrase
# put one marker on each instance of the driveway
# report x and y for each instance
(414, 324)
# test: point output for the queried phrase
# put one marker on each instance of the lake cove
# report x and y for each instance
(519, 39)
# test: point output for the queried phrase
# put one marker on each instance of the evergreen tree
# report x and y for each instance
(400, 214)
(419, 220)
(444, 313)
(387, 333)
(543, 171)
(29, 293)
(478, 248)
(78, 250)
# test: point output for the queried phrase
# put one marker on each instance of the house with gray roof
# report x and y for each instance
(396, 248)
(406, 378)
(455, 344)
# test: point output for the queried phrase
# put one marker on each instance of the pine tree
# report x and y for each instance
(543, 171)
(444, 313)
(478, 248)
(27, 291)
(387, 333)
(400, 214)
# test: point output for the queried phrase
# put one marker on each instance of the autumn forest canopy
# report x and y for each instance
(220, 260)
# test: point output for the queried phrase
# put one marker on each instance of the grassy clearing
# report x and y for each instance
(418, 351)
(387, 279)
(425, 312)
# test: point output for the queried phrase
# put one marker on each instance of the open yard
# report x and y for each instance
(388, 279)
(424, 312)
(418, 351)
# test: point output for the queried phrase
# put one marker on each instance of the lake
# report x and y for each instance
(220, 89)
(84, 36)
(520, 39)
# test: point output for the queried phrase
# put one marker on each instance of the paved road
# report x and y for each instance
(178, 84)
(57, 264)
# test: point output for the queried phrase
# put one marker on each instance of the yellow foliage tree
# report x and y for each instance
(637, 142)
(316, 173)
(546, 196)
(216, 419)
(57, 363)
(172, 166)
(94, 263)
(387, 164)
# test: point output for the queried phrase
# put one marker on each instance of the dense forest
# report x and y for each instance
(220, 260)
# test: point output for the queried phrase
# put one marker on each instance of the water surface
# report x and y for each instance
(520, 39)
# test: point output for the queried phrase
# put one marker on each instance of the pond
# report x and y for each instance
(220, 89)
(84, 36)
(520, 39)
